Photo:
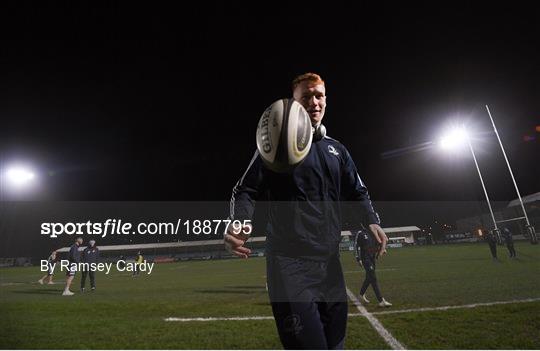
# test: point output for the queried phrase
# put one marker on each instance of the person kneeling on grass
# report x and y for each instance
(367, 250)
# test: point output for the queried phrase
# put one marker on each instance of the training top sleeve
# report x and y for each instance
(355, 190)
(247, 190)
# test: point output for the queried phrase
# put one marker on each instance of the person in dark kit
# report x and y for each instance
(492, 242)
(507, 235)
(74, 257)
(139, 259)
(366, 253)
(89, 255)
(303, 219)
(121, 262)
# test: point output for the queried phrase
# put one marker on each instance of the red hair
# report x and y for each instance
(312, 78)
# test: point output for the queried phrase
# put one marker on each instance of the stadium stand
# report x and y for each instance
(214, 249)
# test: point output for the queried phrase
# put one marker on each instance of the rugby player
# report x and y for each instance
(89, 255)
(507, 235)
(304, 276)
(74, 257)
(50, 271)
(367, 250)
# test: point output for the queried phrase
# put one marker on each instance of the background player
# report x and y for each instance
(139, 259)
(74, 257)
(492, 242)
(367, 250)
(50, 270)
(89, 255)
(507, 235)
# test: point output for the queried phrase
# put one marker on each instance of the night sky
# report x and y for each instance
(112, 101)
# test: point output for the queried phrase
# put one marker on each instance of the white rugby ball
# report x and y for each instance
(284, 135)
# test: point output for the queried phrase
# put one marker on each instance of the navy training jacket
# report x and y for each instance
(303, 212)
(74, 254)
(365, 244)
(90, 254)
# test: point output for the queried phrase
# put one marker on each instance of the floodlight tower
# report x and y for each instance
(453, 139)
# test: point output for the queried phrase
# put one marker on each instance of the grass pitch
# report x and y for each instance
(128, 313)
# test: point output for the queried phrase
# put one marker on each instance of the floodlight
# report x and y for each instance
(19, 176)
(454, 139)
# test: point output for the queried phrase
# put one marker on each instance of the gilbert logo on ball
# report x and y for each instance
(284, 135)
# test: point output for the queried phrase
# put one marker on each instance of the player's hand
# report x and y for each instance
(235, 238)
(380, 236)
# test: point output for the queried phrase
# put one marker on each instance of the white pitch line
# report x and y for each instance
(10, 284)
(378, 270)
(213, 319)
(445, 308)
(383, 332)
(363, 313)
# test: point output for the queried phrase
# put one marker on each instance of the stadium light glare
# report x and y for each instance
(17, 180)
(19, 176)
(456, 138)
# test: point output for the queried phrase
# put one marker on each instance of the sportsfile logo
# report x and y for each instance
(120, 227)
(110, 226)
